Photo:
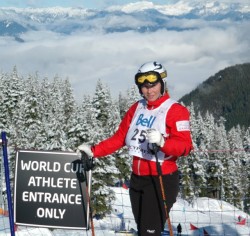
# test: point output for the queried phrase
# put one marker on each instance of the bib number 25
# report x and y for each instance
(139, 135)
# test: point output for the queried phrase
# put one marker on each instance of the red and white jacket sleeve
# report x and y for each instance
(179, 142)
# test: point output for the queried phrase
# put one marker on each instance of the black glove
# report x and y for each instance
(87, 162)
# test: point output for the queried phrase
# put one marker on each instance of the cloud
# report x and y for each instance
(190, 56)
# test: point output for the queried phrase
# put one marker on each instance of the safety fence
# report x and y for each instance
(201, 216)
(204, 216)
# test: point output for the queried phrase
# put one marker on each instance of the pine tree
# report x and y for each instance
(201, 138)
(101, 103)
(122, 101)
(223, 176)
(29, 133)
(197, 162)
(55, 120)
(133, 96)
(75, 129)
(214, 166)
(246, 164)
(71, 115)
(125, 101)
(3, 107)
(239, 157)
(11, 94)
(105, 170)
(186, 182)
(69, 103)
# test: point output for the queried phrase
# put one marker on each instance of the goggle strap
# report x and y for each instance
(163, 74)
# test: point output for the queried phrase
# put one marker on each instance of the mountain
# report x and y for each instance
(224, 94)
(142, 17)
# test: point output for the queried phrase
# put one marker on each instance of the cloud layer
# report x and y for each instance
(190, 56)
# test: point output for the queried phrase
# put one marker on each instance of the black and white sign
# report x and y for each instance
(51, 190)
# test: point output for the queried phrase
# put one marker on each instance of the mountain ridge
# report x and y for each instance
(225, 94)
(140, 17)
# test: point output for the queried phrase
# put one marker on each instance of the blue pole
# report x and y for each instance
(7, 180)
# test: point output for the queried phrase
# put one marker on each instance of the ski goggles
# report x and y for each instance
(148, 77)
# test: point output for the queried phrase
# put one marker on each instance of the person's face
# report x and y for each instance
(151, 93)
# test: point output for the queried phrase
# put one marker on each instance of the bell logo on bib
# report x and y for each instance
(148, 122)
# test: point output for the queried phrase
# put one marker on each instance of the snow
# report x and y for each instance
(174, 9)
(180, 7)
(216, 217)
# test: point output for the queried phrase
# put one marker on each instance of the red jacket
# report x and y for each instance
(177, 144)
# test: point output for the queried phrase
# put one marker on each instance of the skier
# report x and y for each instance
(155, 119)
(179, 229)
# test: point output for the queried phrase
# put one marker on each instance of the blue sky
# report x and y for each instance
(75, 3)
(89, 3)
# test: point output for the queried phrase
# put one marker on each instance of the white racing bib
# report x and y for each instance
(143, 120)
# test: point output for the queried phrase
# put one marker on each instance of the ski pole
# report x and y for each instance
(156, 149)
(7, 180)
(87, 166)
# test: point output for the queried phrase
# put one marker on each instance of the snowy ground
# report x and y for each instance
(207, 215)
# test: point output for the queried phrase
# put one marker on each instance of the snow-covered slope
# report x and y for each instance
(208, 215)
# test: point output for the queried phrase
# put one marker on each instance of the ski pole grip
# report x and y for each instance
(87, 161)
(155, 147)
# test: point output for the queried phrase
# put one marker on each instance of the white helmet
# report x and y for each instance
(156, 67)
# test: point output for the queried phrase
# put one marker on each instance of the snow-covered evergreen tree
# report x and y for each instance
(186, 181)
(11, 95)
(214, 166)
(29, 132)
(200, 161)
(246, 164)
(105, 170)
(125, 101)
(197, 159)
(222, 165)
(239, 157)
(101, 103)
(55, 120)
(68, 101)
(3, 107)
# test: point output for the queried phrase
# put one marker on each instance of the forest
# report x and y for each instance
(224, 94)
(42, 114)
